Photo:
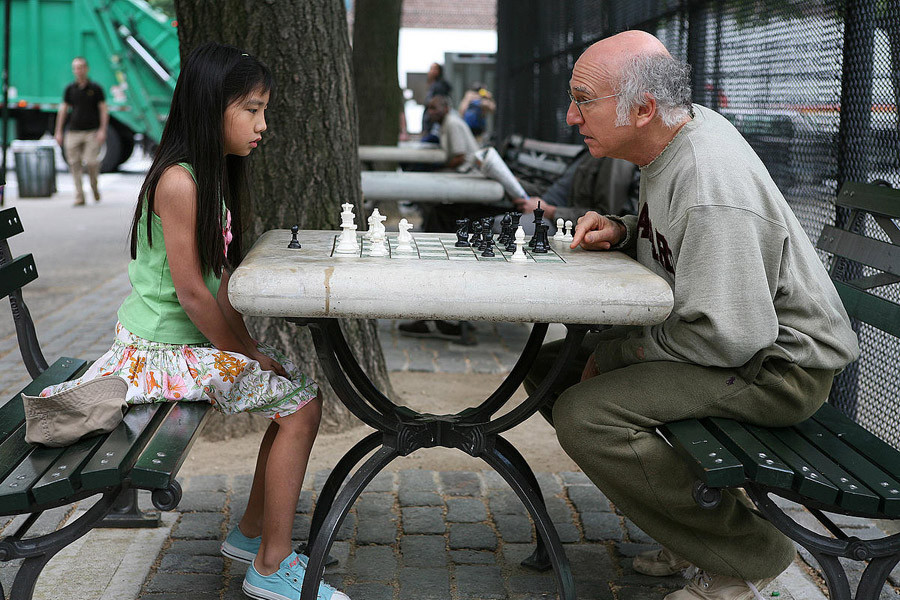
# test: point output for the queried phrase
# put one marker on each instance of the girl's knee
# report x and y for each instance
(307, 418)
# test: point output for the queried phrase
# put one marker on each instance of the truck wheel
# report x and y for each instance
(117, 148)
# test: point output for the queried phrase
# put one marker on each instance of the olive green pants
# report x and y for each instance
(607, 425)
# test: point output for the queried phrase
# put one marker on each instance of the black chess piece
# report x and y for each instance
(541, 242)
(294, 243)
(538, 220)
(476, 232)
(462, 233)
(489, 248)
(487, 228)
(505, 233)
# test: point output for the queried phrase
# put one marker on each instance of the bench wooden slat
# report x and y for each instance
(567, 150)
(14, 488)
(12, 413)
(554, 167)
(859, 248)
(13, 449)
(170, 444)
(123, 444)
(877, 199)
(63, 477)
(807, 480)
(861, 469)
(876, 450)
(852, 494)
(10, 224)
(16, 274)
(716, 466)
(760, 464)
(868, 308)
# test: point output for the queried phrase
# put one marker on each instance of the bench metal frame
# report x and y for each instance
(89, 467)
(827, 463)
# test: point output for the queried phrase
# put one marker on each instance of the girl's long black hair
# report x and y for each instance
(213, 77)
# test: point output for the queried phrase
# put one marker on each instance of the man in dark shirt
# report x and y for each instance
(87, 127)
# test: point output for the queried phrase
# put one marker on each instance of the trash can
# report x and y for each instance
(35, 169)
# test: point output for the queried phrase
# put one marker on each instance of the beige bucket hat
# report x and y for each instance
(91, 408)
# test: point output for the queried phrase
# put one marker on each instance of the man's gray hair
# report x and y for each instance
(666, 79)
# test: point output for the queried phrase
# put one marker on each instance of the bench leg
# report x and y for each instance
(883, 554)
(38, 551)
(126, 515)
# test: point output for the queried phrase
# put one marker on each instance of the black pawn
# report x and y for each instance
(489, 248)
(476, 232)
(505, 233)
(487, 228)
(294, 243)
(462, 233)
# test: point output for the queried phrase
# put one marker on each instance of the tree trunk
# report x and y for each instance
(376, 31)
(307, 163)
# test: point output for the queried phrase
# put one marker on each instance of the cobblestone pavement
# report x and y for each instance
(413, 534)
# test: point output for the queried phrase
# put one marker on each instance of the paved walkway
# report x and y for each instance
(412, 534)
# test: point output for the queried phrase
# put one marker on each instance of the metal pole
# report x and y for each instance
(4, 118)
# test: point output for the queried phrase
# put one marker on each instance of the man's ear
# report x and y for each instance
(645, 114)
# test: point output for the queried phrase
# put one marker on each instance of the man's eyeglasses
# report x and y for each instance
(578, 103)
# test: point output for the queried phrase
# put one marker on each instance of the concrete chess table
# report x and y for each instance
(311, 286)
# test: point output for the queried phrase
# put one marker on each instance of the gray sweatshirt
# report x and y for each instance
(745, 277)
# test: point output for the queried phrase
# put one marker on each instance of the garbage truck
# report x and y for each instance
(131, 50)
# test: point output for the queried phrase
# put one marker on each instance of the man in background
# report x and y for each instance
(87, 127)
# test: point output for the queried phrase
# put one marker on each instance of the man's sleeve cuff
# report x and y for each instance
(624, 242)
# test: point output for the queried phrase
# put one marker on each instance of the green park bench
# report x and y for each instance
(828, 463)
(144, 452)
(537, 162)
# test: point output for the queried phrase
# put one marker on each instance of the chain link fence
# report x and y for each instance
(814, 87)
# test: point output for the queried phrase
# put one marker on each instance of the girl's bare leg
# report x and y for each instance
(251, 522)
(285, 468)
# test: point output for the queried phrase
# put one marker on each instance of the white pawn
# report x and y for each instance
(519, 254)
(377, 243)
(404, 238)
(560, 231)
(570, 232)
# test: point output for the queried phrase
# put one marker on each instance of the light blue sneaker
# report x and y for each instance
(238, 546)
(285, 583)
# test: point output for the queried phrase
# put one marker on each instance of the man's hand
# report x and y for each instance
(527, 205)
(590, 369)
(101, 136)
(596, 232)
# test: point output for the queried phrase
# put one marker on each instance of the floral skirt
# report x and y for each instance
(231, 382)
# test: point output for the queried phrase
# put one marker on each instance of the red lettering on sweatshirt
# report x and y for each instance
(659, 247)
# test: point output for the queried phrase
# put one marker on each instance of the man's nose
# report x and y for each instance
(573, 115)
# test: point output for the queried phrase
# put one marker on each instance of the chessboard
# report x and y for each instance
(443, 247)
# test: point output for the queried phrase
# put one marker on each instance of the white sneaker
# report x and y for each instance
(659, 563)
(707, 586)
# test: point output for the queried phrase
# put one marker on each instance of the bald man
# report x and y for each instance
(756, 334)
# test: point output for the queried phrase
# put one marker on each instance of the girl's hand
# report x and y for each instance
(267, 363)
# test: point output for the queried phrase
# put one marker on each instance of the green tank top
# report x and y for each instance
(152, 310)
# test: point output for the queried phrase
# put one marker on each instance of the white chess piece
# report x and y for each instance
(570, 232)
(375, 217)
(519, 254)
(347, 243)
(560, 231)
(377, 243)
(404, 238)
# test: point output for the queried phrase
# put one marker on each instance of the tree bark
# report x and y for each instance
(307, 163)
(376, 32)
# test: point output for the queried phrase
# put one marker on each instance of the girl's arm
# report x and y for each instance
(176, 205)
(239, 328)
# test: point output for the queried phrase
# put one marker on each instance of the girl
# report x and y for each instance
(178, 337)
